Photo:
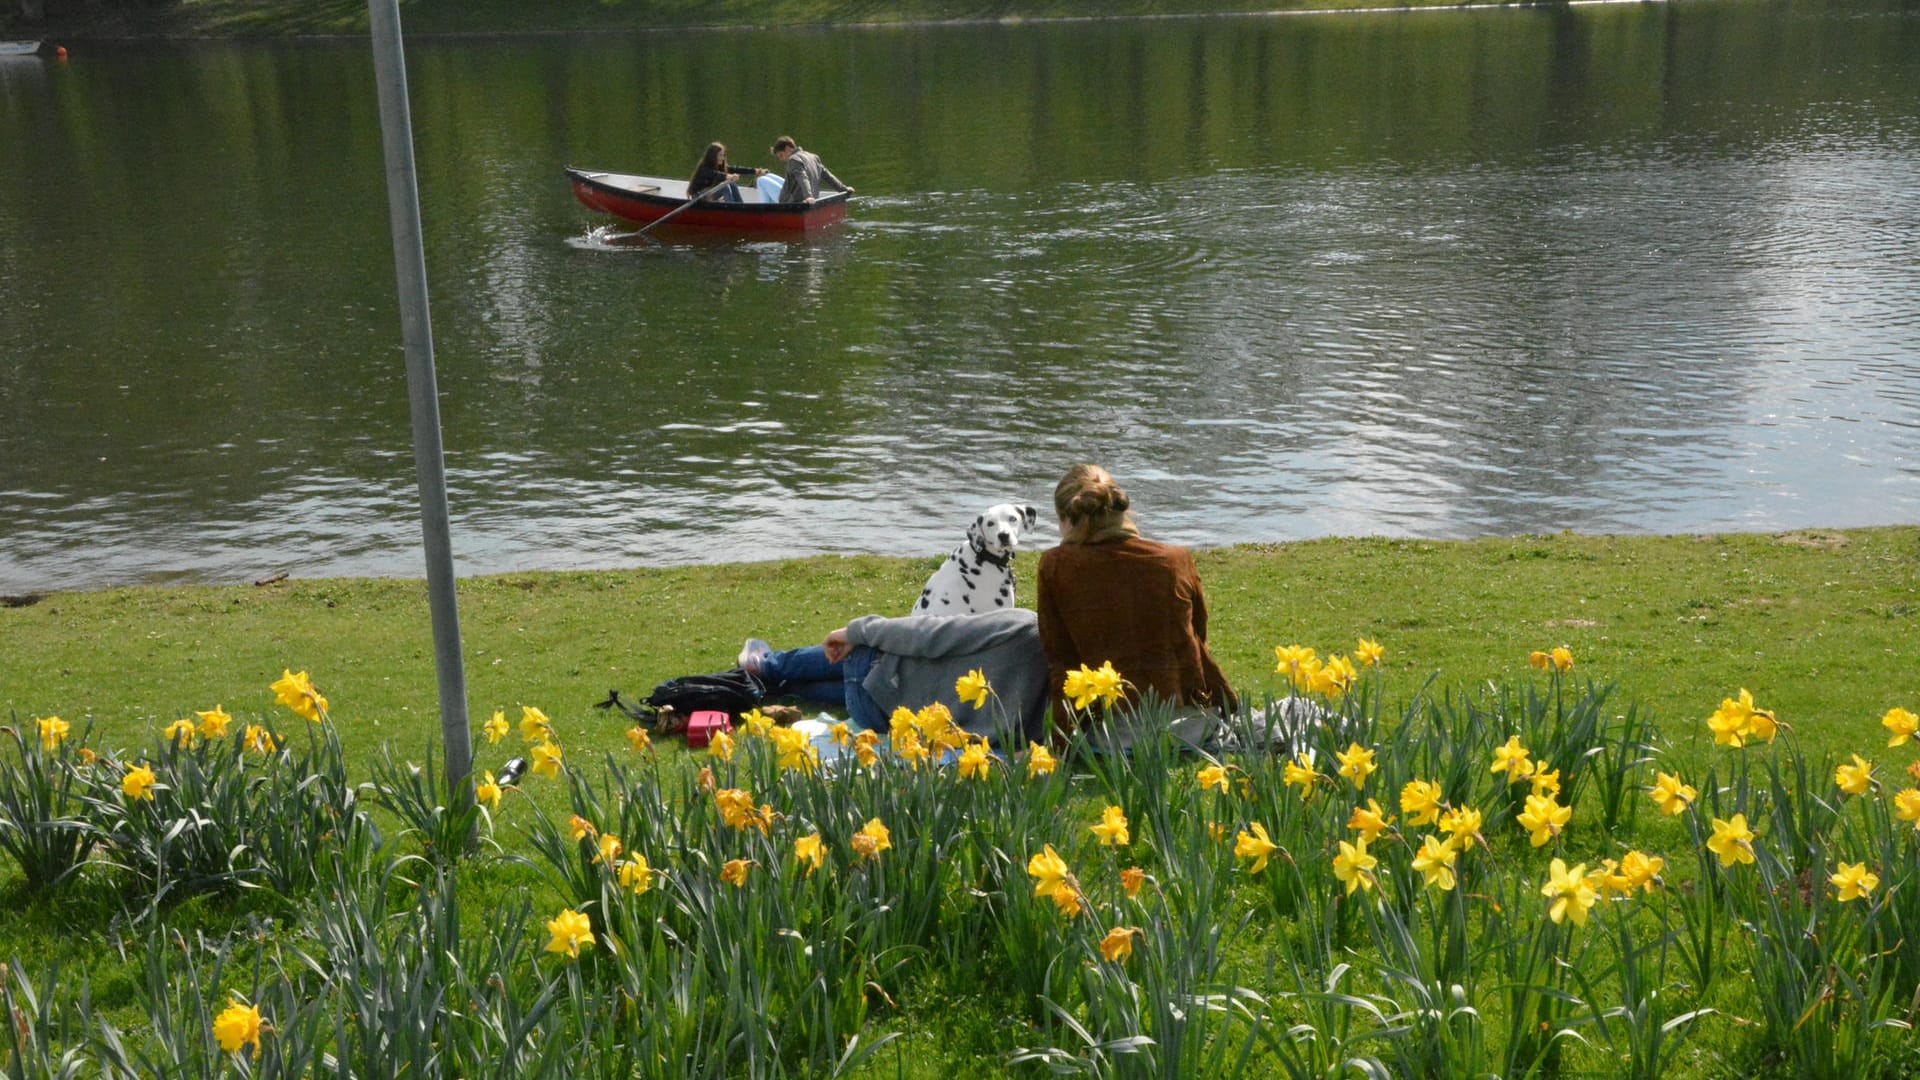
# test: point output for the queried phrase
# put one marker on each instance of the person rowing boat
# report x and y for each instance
(804, 178)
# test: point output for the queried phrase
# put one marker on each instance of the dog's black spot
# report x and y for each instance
(969, 584)
(944, 600)
(1001, 602)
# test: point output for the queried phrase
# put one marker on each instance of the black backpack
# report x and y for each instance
(731, 692)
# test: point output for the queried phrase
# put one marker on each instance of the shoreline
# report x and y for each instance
(78, 33)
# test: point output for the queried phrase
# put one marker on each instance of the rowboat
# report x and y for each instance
(644, 199)
(19, 48)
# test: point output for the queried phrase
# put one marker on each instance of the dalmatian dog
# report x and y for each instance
(978, 576)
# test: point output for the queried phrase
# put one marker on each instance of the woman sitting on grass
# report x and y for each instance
(1107, 595)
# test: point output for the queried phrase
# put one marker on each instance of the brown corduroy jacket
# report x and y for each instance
(1136, 603)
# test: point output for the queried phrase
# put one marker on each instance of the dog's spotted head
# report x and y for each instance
(999, 529)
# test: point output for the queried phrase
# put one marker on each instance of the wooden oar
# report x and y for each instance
(675, 212)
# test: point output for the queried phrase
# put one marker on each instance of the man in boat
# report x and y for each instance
(805, 175)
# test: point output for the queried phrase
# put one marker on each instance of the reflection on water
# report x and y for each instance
(1620, 270)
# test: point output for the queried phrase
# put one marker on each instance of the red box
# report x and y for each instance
(702, 725)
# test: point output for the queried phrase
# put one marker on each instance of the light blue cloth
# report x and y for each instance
(770, 186)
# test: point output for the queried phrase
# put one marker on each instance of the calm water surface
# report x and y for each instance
(1631, 269)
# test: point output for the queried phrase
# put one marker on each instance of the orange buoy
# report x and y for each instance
(60, 53)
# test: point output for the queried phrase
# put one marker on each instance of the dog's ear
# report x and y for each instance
(977, 531)
(1029, 513)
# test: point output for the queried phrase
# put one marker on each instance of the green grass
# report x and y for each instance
(1820, 626)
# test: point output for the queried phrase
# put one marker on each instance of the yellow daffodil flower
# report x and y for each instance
(735, 806)
(1068, 900)
(1356, 764)
(579, 828)
(534, 725)
(569, 932)
(1213, 776)
(1639, 870)
(297, 692)
(756, 723)
(1906, 806)
(1293, 661)
(1108, 684)
(181, 731)
(259, 740)
(973, 761)
(1435, 861)
(1670, 794)
(864, 752)
(1738, 720)
(1900, 724)
(872, 839)
(1540, 660)
(487, 792)
(1421, 802)
(1854, 882)
(1368, 822)
(1354, 866)
(1462, 825)
(214, 723)
(1368, 652)
(638, 739)
(1562, 659)
(1117, 946)
(609, 848)
(635, 875)
(1572, 894)
(1732, 841)
(1543, 818)
(840, 733)
(1048, 870)
(546, 759)
(734, 872)
(53, 732)
(138, 783)
(495, 728)
(720, 745)
(1131, 879)
(1333, 678)
(238, 1026)
(1545, 781)
(810, 852)
(1299, 773)
(796, 752)
(1040, 761)
(1112, 829)
(1512, 759)
(972, 688)
(1854, 778)
(1254, 843)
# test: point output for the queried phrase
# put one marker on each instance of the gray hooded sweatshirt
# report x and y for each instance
(922, 656)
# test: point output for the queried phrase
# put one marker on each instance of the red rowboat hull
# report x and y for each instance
(643, 199)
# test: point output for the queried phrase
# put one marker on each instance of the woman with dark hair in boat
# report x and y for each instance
(713, 169)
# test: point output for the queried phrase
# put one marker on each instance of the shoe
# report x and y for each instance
(753, 654)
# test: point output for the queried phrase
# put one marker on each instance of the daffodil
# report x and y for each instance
(1368, 652)
(1368, 822)
(638, 739)
(1732, 841)
(1545, 781)
(1117, 946)
(795, 750)
(1076, 687)
(1421, 802)
(1131, 879)
(1543, 818)
(1048, 870)
(720, 745)
(754, 722)
(214, 723)
(1572, 894)
(1854, 882)
(1334, 677)
(1900, 724)
(1253, 843)
(297, 692)
(1299, 773)
(138, 783)
(1854, 778)
(569, 932)
(1292, 661)
(810, 852)
(973, 688)
(53, 732)
(635, 875)
(1040, 761)
(1356, 764)
(495, 728)
(872, 839)
(1435, 861)
(238, 1026)
(1670, 794)
(1906, 806)
(864, 749)
(1739, 720)
(488, 792)
(973, 761)
(1512, 759)
(1462, 825)
(579, 828)
(534, 725)
(608, 849)
(259, 740)
(840, 733)
(734, 872)
(1639, 870)
(181, 731)
(1213, 776)
(911, 750)
(1539, 659)
(1354, 866)
(546, 759)
(1562, 659)
(1068, 900)
(1108, 684)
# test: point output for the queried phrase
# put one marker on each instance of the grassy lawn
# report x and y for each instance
(1819, 626)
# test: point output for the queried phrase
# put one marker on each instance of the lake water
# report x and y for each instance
(1637, 269)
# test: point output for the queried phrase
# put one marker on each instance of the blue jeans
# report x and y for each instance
(807, 674)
